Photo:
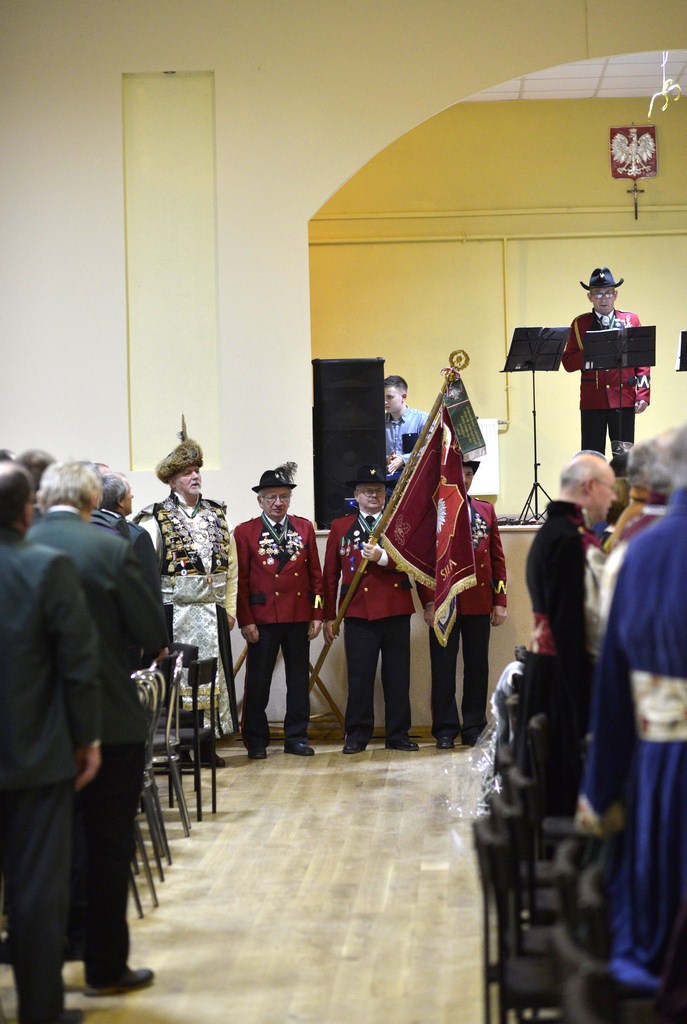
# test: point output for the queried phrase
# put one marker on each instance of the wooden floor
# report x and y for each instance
(329, 890)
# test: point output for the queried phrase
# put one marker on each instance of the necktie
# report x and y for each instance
(278, 529)
(370, 520)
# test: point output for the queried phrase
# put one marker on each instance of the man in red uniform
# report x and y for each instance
(477, 610)
(279, 605)
(377, 618)
(606, 403)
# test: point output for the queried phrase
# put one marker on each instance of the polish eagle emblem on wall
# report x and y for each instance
(633, 152)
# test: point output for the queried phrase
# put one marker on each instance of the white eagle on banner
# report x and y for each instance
(633, 155)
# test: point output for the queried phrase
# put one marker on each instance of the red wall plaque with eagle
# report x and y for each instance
(633, 151)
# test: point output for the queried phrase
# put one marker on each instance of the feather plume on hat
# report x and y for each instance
(282, 476)
(187, 453)
(287, 470)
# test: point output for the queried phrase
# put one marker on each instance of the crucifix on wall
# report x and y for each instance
(633, 156)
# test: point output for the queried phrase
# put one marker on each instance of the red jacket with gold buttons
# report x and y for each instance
(273, 587)
(380, 592)
(600, 389)
(490, 565)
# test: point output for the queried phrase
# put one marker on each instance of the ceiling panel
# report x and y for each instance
(633, 74)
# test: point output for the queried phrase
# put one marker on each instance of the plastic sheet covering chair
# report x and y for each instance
(166, 742)
(150, 685)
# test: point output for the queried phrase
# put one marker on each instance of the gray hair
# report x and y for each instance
(677, 459)
(639, 462)
(584, 466)
(660, 472)
(78, 484)
(115, 489)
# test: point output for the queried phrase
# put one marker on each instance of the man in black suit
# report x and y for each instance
(115, 505)
(125, 614)
(49, 732)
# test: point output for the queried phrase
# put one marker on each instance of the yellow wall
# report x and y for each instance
(485, 218)
(306, 93)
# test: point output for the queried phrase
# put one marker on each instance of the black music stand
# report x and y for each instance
(617, 349)
(681, 362)
(535, 348)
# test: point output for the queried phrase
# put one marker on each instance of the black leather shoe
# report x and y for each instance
(402, 744)
(68, 1017)
(469, 741)
(257, 754)
(302, 749)
(353, 748)
(445, 743)
(129, 981)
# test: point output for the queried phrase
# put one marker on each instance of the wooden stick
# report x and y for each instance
(381, 525)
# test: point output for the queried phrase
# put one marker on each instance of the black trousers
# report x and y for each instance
(35, 847)
(292, 639)
(364, 641)
(108, 806)
(595, 423)
(475, 631)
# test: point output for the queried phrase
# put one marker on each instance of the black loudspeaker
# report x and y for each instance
(348, 429)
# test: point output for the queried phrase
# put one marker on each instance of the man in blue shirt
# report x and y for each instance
(403, 426)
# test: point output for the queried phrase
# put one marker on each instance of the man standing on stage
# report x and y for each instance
(477, 610)
(377, 618)
(403, 426)
(279, 607)
(609, 399)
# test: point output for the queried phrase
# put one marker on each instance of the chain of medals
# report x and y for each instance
(479, 527)
(349, 545)
(272, 545)
(194, 544)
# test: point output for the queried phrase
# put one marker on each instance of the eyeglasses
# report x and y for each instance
(603, 295)
(371, 492)
(272, 499)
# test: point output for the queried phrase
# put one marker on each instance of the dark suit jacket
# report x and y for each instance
(49, 688)
(110, 521)
(123, 608)
(144, 549)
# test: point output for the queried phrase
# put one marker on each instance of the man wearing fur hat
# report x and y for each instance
(609, 399)
(279, 607)
(197, 556)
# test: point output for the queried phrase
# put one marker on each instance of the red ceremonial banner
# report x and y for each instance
(429, 534)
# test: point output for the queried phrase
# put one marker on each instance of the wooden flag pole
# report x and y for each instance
(396, 495)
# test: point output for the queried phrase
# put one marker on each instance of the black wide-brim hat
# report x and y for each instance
(474, 466)
(367, 474)
(274, 478)
(601, 278)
